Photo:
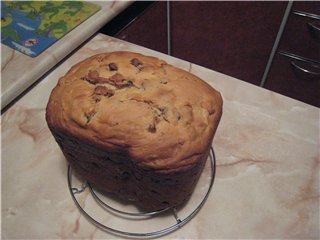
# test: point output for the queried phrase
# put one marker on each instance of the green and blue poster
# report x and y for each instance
(32, 26)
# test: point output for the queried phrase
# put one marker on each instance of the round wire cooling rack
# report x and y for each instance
(131, 216)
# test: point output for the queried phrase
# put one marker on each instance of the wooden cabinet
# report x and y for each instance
(295, 71)
(236, 38)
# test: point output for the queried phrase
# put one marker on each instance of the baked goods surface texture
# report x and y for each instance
(135, 126)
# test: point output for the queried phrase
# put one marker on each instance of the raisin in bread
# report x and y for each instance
(135, 126)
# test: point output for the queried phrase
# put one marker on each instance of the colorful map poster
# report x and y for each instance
(32, 26)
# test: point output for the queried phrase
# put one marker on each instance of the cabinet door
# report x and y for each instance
(234, 38)
(298, 36)
(284, 79)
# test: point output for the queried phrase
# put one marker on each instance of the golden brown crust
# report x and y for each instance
(161, 115)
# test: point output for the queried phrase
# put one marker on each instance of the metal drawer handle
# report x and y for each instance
(314, 30)
(306, 71)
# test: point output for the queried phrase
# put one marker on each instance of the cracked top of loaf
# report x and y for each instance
(161, 116)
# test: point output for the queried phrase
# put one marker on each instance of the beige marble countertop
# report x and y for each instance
(19, 71)
(267, 175)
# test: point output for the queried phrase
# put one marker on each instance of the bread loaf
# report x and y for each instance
(135, 126)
